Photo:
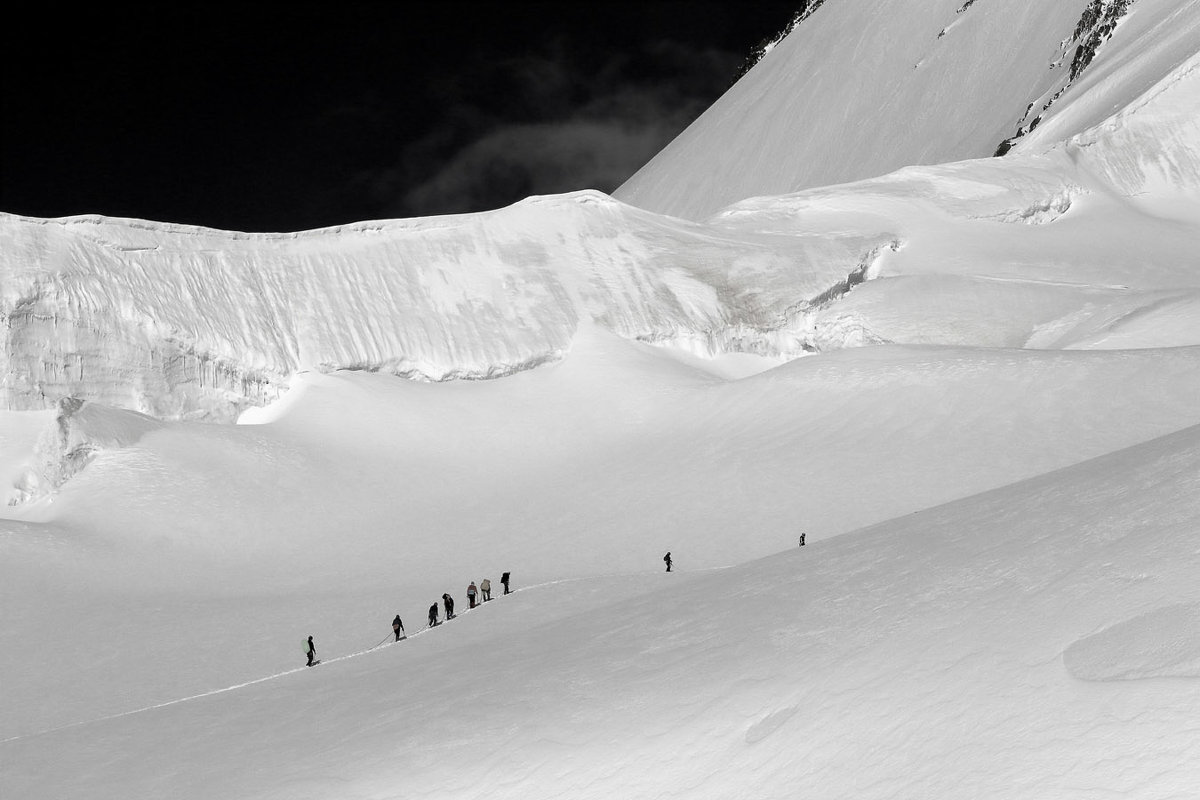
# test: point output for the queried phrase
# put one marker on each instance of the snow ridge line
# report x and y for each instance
(1095, 27)
(285, 673)
(807, 7)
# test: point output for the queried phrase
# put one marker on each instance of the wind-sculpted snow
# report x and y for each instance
(1090, 244)
(1164, 643)
(179, 321)
(69, 442)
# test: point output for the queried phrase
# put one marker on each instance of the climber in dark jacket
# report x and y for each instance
(448, 601)
(311, 652)
(433, 615)
(397, 627)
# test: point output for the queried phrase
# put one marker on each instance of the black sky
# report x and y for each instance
(265, 117)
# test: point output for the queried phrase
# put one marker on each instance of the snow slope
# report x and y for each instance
(1088, 244)
(367, 492)
(1056, 250)
(862, 88)
(1037, 640)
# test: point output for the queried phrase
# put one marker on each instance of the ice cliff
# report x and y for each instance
(1083, 236)
(180, 321)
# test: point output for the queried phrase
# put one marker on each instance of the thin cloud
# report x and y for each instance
(521, 160)
(564, 125)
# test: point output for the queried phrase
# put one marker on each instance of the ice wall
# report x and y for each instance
(179, 321)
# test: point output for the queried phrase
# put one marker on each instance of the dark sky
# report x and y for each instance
(265, 117)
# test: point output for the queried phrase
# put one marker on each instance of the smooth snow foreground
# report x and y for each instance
(1011, 645)
(985, 646)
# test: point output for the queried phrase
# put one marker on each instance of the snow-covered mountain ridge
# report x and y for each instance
(863, 88)
(1088, 243)
(140, 315)
(184, 322)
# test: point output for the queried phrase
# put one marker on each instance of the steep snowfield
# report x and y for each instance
(862, 88)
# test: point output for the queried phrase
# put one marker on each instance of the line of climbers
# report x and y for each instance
(475, 596)
(482, 593)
